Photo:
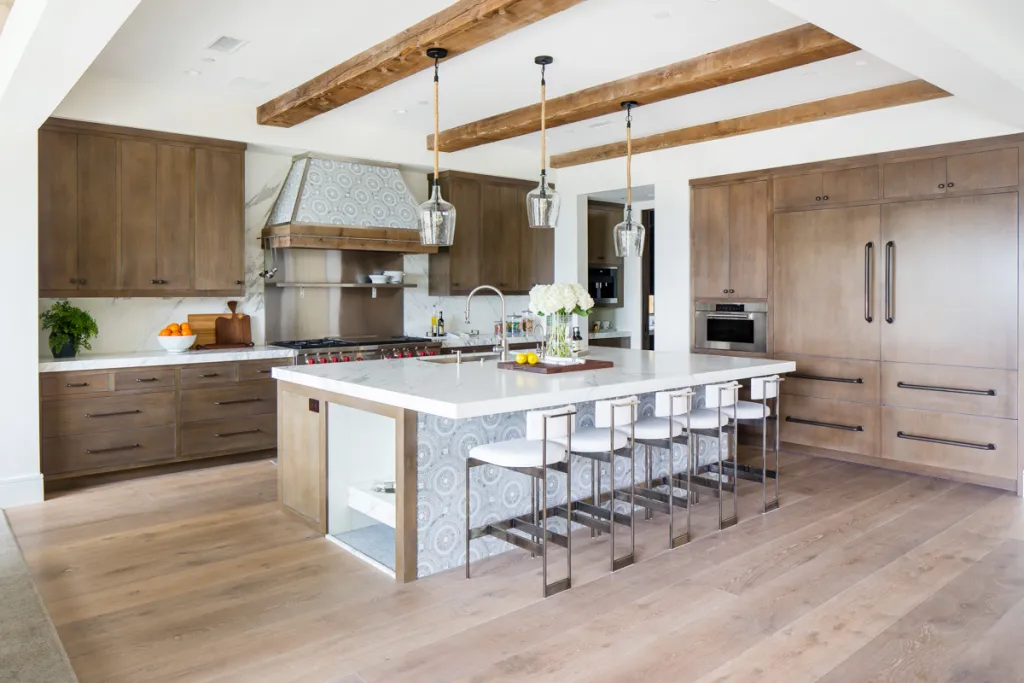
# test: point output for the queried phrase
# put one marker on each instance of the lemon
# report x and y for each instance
(532, 358)
(521, 358)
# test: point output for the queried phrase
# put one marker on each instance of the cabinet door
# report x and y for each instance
(953, 281)
(748, 240)
(799, 190)
(824, 276)
(850, 185)
(918, 178)
(500, 235)
(58, 210)
(97, 213)
(220, 228)
(174, 217)
(982, 170)
(536, 254)
(709, 242)
(601, 222)
(464, 256)
(138, 215)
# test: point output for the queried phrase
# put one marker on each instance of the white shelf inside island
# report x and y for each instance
(374, 504)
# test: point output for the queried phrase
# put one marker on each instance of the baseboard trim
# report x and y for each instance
(24, 490)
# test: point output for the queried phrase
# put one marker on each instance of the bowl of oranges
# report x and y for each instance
(176, 338)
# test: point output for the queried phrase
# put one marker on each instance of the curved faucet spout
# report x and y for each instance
(504, 324)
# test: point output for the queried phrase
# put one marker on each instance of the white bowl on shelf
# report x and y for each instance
(177, 344)
(394, 277)
(379, 279)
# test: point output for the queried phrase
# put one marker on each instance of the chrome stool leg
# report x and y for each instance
(683, 538)
(724, 523)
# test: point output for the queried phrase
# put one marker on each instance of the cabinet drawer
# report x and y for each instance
(237, 434)
(825, 423)
(67, 384)
(207, 374)
(260, 369)
(64, 454)
(233, 401)
(976, 391)
(106, 414)
(843, 379)
(134, 380)
(980, 445)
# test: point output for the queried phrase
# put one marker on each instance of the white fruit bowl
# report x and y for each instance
(177, 344)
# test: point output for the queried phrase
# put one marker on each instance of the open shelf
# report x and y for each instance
(373, 504)
(345, 285)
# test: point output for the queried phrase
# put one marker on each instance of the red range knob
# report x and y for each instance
(359, 358)
(431, 353)
(346, 359)
(321, 360)
(310, 361)
(334, 359)
(420, 354)
(408, 354)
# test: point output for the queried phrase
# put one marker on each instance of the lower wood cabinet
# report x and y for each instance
(838, 378)
(974, 391)
(830, 424)
(98, 422)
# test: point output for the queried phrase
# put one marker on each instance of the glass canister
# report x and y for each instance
(516, 324)
(497, 328)
(527, 324)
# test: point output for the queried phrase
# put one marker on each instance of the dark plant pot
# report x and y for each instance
(66, 351)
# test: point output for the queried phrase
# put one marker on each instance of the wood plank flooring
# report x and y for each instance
(861, 575)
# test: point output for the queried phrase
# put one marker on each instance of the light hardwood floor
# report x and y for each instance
(861, 575)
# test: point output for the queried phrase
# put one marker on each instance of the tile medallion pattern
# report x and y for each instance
(497, 494)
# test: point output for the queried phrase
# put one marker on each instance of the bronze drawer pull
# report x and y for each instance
(868, 248)
(948, 390)
(241, 400)
(947, 442)
(263, 372)
(208, 374)
(830, 425)
(822, 378)
(119, 412)
(72, 385)
(115, 448)
(146, 379)
(227, 434)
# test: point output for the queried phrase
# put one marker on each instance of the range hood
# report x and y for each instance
(328, 203)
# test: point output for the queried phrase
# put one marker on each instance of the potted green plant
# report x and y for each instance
(70, 328)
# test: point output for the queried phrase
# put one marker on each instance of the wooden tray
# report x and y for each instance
(553, 369)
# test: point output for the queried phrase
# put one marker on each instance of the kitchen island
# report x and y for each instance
(345, 429)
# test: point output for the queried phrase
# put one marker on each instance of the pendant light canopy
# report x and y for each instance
(542, 203)
(629, 235)
(437, 217)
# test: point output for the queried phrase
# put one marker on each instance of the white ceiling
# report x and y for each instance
(594, 42)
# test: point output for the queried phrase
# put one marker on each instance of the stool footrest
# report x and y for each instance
(503, 531)
(747, 472)
(584, 519)
(602, 513)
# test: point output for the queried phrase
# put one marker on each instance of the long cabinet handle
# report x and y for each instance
(113, 449)
(830, 425)
(206, 375)
(119, 412)
(146, 379)
(947, 442)
(822, 378)
(889, 262)
(73, 385)
(227, 434)
(868, 249)
(241, 400)
(947, 390)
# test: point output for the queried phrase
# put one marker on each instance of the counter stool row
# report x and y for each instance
(552, 439)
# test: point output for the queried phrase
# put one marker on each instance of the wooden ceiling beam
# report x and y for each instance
(843, 105)
(459, 28)
(793, 47)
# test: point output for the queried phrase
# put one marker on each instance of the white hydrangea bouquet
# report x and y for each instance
(558, 302)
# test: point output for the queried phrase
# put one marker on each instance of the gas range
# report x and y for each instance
(336, 350)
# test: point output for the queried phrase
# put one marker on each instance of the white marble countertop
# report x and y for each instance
(108, 361)
(473, 389)
(610, 334)
(453, 341)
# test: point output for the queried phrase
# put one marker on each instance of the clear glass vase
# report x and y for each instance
(558, 338)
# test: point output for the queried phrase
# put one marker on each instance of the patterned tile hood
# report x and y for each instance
(331, 192)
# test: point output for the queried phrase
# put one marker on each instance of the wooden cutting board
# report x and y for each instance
(204, 325)
(233, 329)
(553, 369)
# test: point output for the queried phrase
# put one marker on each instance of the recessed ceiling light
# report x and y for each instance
(400, 111)
(227, 45)
(861, 62)
(193, 72)
(208, 60)
(600, 124)
(423, 103)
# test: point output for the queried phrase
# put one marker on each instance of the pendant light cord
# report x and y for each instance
(543, 123)
(437, 140)
(629, 162)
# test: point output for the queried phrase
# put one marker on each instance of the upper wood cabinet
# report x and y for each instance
(493, 241)
(729, 241)
(602, 217)
(828, 187)
(124, 212)
(956, 173)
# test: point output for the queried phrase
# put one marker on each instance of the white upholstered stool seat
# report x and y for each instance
(706, 418)
(650, 428)
(594, 440)
(746, 410)
(519, 453)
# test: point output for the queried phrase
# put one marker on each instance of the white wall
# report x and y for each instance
(670, 171)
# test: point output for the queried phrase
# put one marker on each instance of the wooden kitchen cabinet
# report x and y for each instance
(984, 170)
(602, 217)
(493, 243)
(729, 241)
(124, 212)
(915, 178)
(827, 187)
(797, 190)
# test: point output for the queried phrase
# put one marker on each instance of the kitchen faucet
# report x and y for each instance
(504, 326)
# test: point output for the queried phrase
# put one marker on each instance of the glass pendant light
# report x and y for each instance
(629, 235)
(542, 202)
(437, 217)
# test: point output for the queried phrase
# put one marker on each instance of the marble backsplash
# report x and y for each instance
(132, 324)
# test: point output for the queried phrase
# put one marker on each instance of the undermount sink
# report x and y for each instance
(466, 358)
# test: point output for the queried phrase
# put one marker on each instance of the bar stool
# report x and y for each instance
(532, 456)
(717, 399)
(754, 413)
(601, 444)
